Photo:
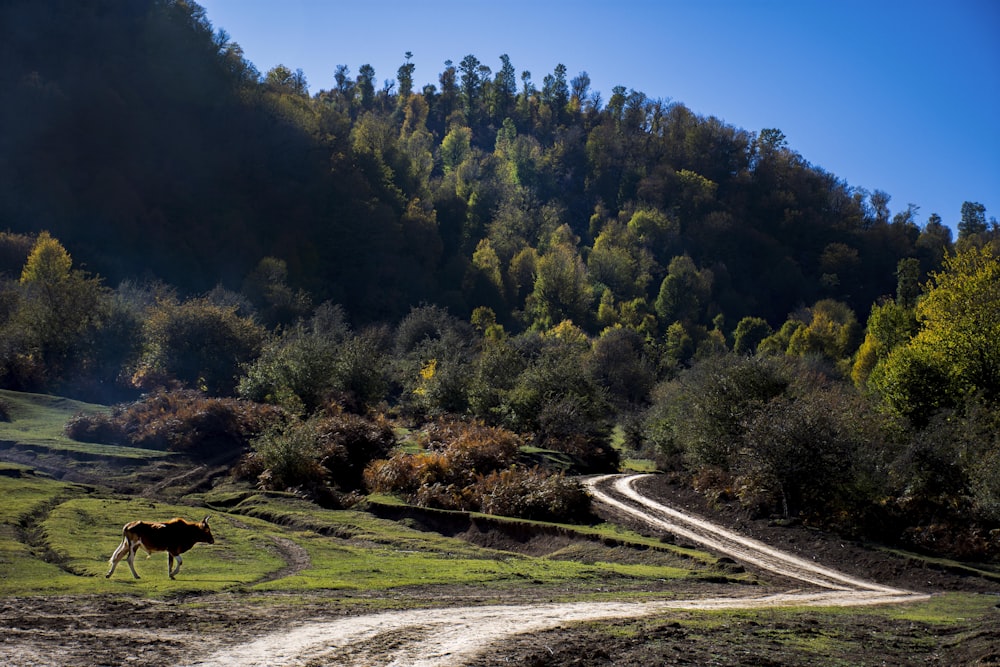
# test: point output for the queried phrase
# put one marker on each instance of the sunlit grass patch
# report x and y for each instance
(988, 571)
(442, 561)
(355, 550)
(87, 531)
(39, 420)
(638, 465)
(23, 491)
(25, 496)
(947, 608)
(76, 529)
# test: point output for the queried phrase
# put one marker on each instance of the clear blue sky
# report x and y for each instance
(895, 95)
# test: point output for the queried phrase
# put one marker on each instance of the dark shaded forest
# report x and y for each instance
(492, 247)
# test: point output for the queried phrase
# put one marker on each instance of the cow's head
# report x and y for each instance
(207, 531)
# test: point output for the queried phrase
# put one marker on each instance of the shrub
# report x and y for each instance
(473, 467)
(393, 475)
(308, 366)
(323, 457)
(289, 457)
(474, 448)
(348, 443)
(180, 421)
(532, 494)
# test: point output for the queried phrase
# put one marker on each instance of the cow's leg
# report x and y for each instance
(179, 561)
(133, 547)
(117, 556)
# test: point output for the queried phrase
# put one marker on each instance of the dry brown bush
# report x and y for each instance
(180, 421)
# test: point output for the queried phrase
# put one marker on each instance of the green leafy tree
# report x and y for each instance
(954, 354)
(298, 369)
(197, 344)
(54, 320)
(561, 288)
(777, 343)
(487, 263)
(267, 288)
(495, 374)
(655, 230)
(579, 92)
(557, 399)
(803, 451)
(973, 220)
(889, 326)
(617, 261)
(830, 331)
(48, 263)
(471, 86)
(455, 148)
(684, 293)
(619, 363)
(504, 90)
(404, 75)
(365, 87)
(749, 333)
(933, 243)
(701, 415)
(907, 282)
(679, 345)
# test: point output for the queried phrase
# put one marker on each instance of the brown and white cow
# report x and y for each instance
(175, 537)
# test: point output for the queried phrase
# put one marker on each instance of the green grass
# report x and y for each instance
(991, 572)
(945, 608)
(82, 531)
(39, 420)
(24, 496)
(443, 561)
(23, 492)
(78, 528)
(286, 510)
(638, 465)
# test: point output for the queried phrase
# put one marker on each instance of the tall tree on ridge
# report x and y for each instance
(973, 219)
(366, 86)
(405, 77)
(504, 89)
(471, 87)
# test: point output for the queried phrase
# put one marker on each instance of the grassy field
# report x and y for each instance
(56, 538)
(274, 549)
(38, 421)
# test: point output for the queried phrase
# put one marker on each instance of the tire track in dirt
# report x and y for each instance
(295, 556)
(619, 492)
(452, 636)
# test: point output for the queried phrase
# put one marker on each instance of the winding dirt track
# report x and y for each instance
(451, 636)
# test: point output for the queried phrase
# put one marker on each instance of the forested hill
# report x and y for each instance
(140, 137)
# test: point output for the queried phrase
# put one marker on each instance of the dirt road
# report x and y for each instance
(455, 635)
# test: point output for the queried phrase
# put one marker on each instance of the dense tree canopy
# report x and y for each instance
(499, 246)
(146, 143)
